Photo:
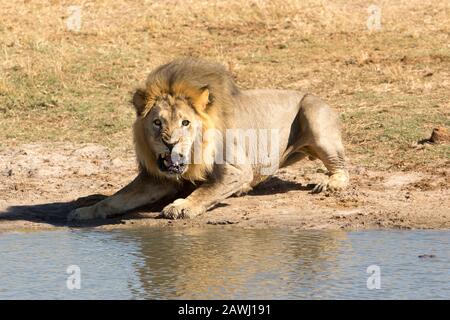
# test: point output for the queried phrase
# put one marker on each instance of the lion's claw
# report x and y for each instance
(320, 187)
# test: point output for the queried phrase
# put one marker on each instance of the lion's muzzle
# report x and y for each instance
(172, 163)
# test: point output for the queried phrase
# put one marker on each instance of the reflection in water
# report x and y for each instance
(224, 263)
(214, 264)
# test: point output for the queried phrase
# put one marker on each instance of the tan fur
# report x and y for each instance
(205, 93)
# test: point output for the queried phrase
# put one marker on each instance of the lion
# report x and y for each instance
(190, 97)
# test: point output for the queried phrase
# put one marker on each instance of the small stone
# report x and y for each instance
(440, 135)
(425, 256)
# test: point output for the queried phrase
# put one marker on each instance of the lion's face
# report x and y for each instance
(171, 128)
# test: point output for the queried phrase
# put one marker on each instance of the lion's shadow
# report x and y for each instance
(275, 185)
(55, 213)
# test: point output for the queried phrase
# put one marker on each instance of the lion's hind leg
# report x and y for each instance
(321, 136)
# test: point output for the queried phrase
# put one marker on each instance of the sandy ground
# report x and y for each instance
(41, 183)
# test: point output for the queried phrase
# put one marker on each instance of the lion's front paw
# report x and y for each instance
(337, 181)
(85, 213)
(181, 209)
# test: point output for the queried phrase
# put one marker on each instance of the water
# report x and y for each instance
(216, 263)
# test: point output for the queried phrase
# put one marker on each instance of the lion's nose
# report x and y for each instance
(178, 159)
(169, 145)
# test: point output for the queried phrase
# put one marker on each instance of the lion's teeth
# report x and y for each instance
(166, 163)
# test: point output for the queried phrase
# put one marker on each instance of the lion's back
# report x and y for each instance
(266, 108)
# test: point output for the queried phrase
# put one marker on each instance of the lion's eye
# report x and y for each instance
(185, 123)
(157, 122)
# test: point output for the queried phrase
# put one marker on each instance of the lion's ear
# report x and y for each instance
(202, 100)
(139, 101)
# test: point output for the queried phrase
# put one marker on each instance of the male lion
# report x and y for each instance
(187, 98)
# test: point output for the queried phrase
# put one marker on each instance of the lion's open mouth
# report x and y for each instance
(171, 164)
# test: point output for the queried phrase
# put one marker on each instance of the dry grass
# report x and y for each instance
(392, 86)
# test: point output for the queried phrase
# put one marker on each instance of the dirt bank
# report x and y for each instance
(41, 183)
